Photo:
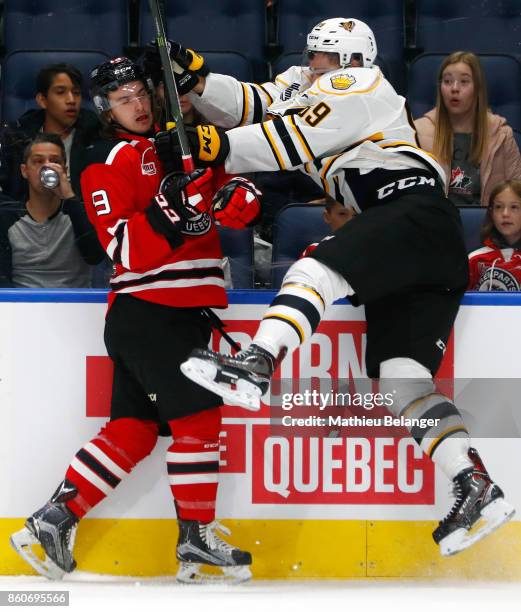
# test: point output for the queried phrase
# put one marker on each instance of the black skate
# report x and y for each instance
(53, 527)
(477, 497)
(199, 544)
(249, 371)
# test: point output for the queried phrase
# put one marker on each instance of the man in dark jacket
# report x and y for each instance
(58, 94)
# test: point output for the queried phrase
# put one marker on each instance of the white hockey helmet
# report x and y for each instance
(346, 37)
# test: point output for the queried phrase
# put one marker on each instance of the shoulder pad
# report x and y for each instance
(349, 80)
(104, 151)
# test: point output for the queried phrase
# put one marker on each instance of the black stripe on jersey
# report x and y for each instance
(268, 140)
(206, 467)
(318, 164)
(116, 257)
(99, 469)
(410, 119)
(257, 106)
(168, 275)
(306, 143)
(285, 138)
(440, 411)
(244, 104)
(304, 306)
(446, 435)
(338, 196)
(270, 98)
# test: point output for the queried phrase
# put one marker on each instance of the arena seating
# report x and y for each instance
(237, 245)
(295, 227)
(472, 218)
(237, 25)
(481, 26)
(97, 25)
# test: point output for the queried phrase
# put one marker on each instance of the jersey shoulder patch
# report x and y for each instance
(348, 81)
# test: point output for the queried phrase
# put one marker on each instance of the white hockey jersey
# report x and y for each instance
(346, 124)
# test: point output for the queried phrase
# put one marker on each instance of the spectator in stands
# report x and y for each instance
(46, 241)
(58, 94)
(476, 147)
(497, 266)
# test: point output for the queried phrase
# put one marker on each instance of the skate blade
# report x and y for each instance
(23, 541)
(190, 573)
(203, 373)
(494, 515)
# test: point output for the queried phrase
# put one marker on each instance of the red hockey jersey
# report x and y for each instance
(495, 269)
(116, 193)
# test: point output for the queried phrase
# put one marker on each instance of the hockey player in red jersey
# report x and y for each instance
(160, 234)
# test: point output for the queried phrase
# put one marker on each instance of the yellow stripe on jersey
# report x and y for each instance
(273, 146)
(267, 94)
(246, 104)
(302, 288)
(404, 143)
(298, 329)
(300, 136)
(279, 80)
(445, 434)
(350, 93)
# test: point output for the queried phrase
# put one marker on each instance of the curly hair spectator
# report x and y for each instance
(497, 266)
(475, 146)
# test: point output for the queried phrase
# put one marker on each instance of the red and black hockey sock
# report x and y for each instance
(193, 464)
(102, 463)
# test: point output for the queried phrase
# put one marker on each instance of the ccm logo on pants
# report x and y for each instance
(405, 183)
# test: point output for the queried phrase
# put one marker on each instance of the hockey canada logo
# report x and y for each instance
(348, 25)
(342, 81)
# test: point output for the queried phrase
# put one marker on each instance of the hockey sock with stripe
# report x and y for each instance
(102, 463)
(193, 464)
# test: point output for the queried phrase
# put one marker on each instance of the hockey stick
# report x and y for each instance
(174, 114)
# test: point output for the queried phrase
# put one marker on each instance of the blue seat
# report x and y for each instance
(472, 219)
(384, 17)
(295, 227)
(209, 25)
(230, 62)
(98, 25)
(237, 245)
(503, 74)
(19, 77)
(481, 26)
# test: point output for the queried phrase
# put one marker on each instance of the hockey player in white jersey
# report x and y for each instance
(403, 256)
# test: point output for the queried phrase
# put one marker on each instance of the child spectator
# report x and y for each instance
(476, 148)
(335, 215)
(58, 94)
(497, 266)
(48, 240)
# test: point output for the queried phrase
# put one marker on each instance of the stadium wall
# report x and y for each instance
(309, 501)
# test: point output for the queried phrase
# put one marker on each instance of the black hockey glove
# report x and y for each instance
(185, 197)
(188, 66)
(209, 146)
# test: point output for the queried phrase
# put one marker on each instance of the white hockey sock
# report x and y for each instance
(452, 456)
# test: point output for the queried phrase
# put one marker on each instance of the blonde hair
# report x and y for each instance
(443, 133)
(488, 227)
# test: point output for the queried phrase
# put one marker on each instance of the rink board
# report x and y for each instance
(299, 521)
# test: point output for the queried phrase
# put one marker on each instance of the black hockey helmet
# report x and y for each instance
(111, 75)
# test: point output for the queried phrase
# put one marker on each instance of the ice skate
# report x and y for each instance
(479, 509)
(199, 545)
(53, 528)
(241, 379)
